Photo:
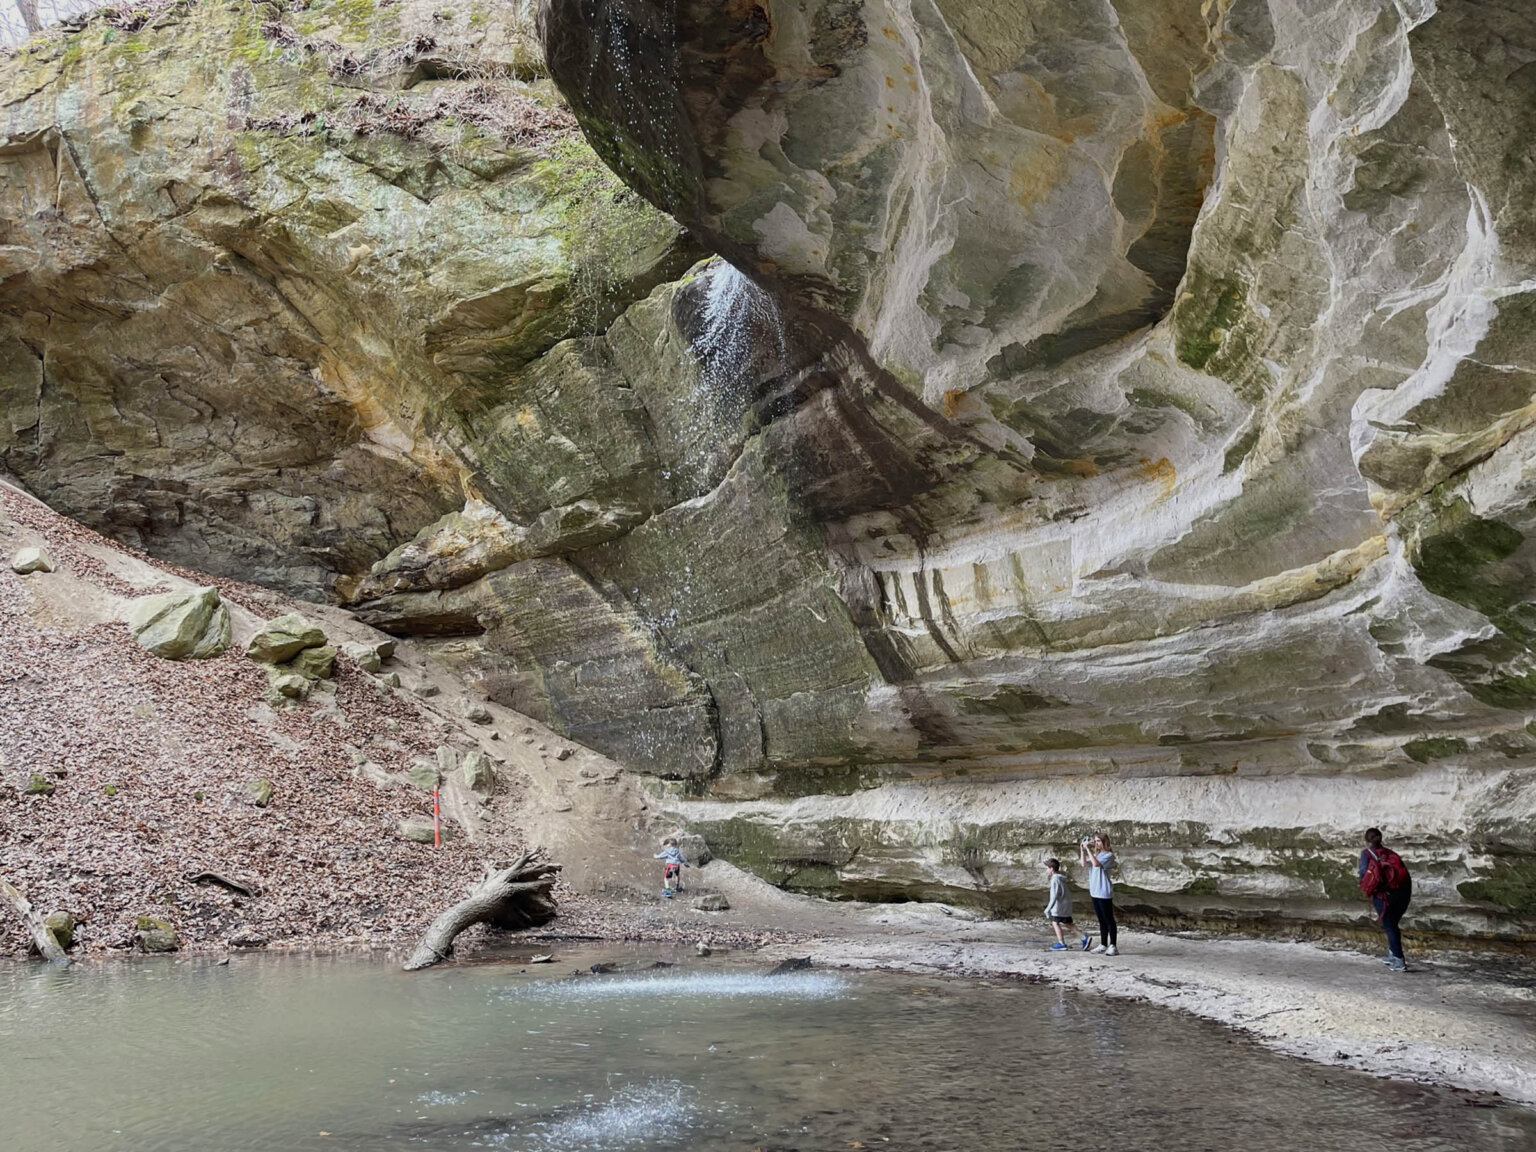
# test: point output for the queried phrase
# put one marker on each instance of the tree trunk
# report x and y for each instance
(28, 9)
(41, 936)
(513, 896)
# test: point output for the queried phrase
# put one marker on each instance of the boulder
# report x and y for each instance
(62, 925)
(154, 935)
(29, 560)
(479, 774)
(793, 964)
(315, 663)
(258, 792)
(365, 656)
(289, 684)
(247, 938)
(39, 785)
(447, 759)
(423, 774)
(375, 774)
(477, 713)
(426, 691)
(419, 830)
(390, 679)
(710, 902)
(281, 639)
(692, 846)
(190, 624)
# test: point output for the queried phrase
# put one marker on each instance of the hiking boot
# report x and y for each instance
(1087, 940)
(1397, 964)
(1111, 951)
(1058, 947)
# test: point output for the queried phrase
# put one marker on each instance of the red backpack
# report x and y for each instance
(1385, 873)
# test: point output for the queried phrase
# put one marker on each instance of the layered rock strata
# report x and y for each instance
(1103, 413)
(1203, 337)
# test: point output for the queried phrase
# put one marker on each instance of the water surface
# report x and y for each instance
(292, 1054)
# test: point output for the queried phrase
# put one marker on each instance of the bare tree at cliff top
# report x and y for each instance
(21, 19)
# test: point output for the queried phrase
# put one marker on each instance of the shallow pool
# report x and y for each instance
(281, 1053)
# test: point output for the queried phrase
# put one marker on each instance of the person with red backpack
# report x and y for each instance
(1384, 878)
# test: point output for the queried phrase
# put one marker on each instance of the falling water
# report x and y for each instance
(739, 343)
(739, 319)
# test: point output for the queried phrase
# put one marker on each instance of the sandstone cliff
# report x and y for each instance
(1109, 413)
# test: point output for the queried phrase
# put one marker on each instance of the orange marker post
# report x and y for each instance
(437, 827)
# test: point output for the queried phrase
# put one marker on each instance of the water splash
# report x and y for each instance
(653, 1113)
(739, 319)
(692, 986)
(435, 1098)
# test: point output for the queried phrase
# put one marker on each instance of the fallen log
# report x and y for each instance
(512, 896)
(46, 943)
(235, 886)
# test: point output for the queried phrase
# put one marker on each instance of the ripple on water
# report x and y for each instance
(660, 1111)
(438, 1098)
(695, 985)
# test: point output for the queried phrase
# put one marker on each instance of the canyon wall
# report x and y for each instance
(1095, 415)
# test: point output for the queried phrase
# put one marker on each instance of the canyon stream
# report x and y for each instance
(337, 1054)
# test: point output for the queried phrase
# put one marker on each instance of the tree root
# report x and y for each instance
(512, 896)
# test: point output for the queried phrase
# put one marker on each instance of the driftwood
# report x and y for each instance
(41, 936)
(235, 886)
(516, 895)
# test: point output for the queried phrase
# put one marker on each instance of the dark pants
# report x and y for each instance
(1105, 911)
(1391, 911)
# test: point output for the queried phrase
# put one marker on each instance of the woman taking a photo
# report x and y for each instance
(1099, 861)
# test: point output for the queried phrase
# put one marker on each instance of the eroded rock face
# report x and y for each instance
(1199, 340)
(260, 270)
(1105, 415)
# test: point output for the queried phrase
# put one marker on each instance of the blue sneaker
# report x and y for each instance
(1087, 940)
(1058, 947)
(666, 892)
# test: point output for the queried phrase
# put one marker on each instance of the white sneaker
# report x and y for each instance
(1111, 951)
(1101, 949)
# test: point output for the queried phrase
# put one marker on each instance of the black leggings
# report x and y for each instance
(1104, 909)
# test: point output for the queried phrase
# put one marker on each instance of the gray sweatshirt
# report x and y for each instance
(1060, 903)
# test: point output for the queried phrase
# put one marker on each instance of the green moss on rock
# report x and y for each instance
(1510, 884)
(1434, 748)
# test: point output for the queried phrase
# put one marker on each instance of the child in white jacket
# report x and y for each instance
(672, 864)
(1058, 909)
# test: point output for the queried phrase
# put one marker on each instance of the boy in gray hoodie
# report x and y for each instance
(1058, 909)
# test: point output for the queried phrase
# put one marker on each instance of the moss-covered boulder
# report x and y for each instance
(191, 624)
(281, 639)
(62, 925)
(152, 934)
(315, 663)
(288, 685)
